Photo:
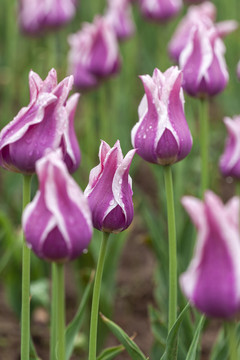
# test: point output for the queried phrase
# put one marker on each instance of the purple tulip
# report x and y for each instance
(46, 123)
(94, 53)
(162, 135)
(109, 191)
(119, 15)
(57, 223)
(36, 16)
(203, 63)
(212, 281)
(160, 10)
(202, 15)
(230, 160)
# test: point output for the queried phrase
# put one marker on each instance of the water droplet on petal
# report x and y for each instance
(111, 202)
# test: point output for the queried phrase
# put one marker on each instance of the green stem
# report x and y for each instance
(172, 309)
(54, 326)
(203, 118)
(60, 314)
(232, 340)
(95, 299)
(25, 314)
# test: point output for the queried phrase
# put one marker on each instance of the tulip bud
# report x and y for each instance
(202, 15)
(36, 16)
(57, 223)
(119, 16)
(160, 9)
(94, 53)
(46, 123)
(162, 135)
(212, 281)
(109, 191)
(203, 63)
(230, 160)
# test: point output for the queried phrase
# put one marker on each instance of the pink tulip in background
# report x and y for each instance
(119, 15)
(202, 15)
(109, 191)
(162, 135)
(57, 223)
(46, 123)
(36, 16)
(212, 281)
(160, 9)
(94, 53)
(230, 159)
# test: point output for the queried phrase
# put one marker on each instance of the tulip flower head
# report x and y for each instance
(36, 16)
(162, 135)
(202, 15)
(203, 64)
(57, 223)
(160, 10)
(119, 15)
(94, 53)
(46, 123)
(230, 160)
(109, 191)
(212, 281)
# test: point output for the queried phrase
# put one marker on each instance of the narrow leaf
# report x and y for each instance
(111, 353)
(172, 339)
(125, 340)
(192, 353)
(74, 326)
(33, 353)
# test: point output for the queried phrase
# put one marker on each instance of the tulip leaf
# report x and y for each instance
(33, 353)
(130, 346)
(192, 352)
(111, 353)
(172, 339)
(74, 326)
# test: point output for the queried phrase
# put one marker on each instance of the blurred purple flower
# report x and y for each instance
(212, 281)
(94, 53)
(202, 15)
(57, 223)
(160, 9)
(46, 123)
(36, 16)
(162, 135)
(109, 191)
(203, 64)
(230, 159)
(119, 15)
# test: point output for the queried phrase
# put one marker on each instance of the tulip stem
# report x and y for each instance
(26, 253)
(203, 119)
(96, 298)
(232, 340)
(172, 309)
(60, 318)
(54, 300)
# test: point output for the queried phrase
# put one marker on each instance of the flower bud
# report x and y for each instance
(230, 159)
(160, 9)
(36, 16)
(46, 123)
(109, 191)
(119, 16)
(57, 223)
(94, 53)
(162, 135)
(203, 64)
(212, 281)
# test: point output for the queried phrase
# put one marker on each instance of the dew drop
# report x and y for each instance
(111, 202)
(85, 251)
(120, 182)
(144, 136)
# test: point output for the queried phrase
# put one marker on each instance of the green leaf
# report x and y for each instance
(172, 339)
(111, 353)
(125, 340)
(220, 349)
(74, 326)
(158, 327)
(33, 353)
(192, 353)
